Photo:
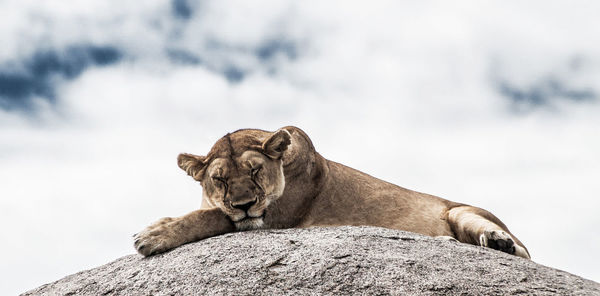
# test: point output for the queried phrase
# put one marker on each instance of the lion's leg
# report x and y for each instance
(479, 227)
(447, 238)
(169, 233)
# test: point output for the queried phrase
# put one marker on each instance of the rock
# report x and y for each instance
(316, 261)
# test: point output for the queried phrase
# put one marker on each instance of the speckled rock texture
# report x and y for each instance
(323, 261)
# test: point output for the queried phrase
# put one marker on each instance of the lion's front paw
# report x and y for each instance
(156, 238)
(498, 240)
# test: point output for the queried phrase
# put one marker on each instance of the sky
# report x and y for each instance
(494, 104)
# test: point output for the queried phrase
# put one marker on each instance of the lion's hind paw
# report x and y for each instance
(498, 240)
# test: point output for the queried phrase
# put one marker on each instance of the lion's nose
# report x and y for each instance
(245, 206)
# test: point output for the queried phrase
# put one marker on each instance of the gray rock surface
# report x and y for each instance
(321, 261)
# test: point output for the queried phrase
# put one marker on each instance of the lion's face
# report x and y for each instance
(244, 186)
(241, 181)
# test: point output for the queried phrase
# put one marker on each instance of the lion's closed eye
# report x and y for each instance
(254, 172)
(219, 181)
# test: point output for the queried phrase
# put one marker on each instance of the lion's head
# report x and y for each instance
(242, 174)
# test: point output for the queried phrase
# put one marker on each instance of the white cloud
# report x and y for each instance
(403, 92)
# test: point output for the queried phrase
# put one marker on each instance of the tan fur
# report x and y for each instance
(255, 179)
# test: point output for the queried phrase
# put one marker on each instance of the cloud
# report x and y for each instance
(275, 47)
(182, 9)
(567, 82)
(39, 75)
(420, 95)
(545, 91)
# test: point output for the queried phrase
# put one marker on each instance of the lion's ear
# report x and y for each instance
(191, 164)
(276, 144)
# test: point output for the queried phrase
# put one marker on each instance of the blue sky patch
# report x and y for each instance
(181, 56)
(38, 75)
(274, 47)
(545, 92)
(234, 74)
(182, 9)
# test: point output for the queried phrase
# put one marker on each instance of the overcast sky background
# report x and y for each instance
(494, 104)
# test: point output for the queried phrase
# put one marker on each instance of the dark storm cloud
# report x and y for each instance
(39, 74)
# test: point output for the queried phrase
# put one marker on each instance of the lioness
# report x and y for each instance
(254, 179)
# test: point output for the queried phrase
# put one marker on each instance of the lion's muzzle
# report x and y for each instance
(242, 205)
(249, 215)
